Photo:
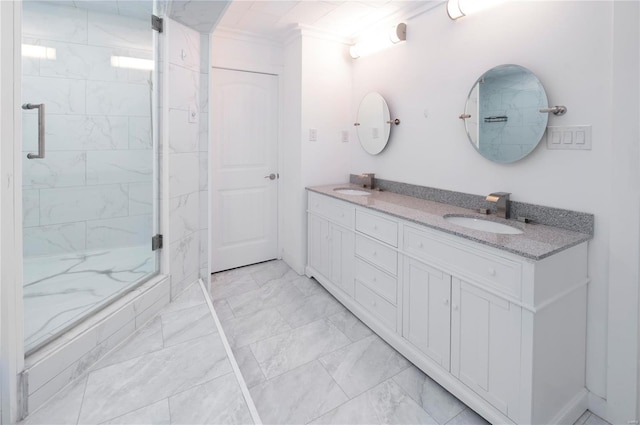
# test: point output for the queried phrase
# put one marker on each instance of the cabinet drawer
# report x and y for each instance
(376, 305)
(496, 272)
(377, 280)
(378, 254)
(377, 227)
(336, 211)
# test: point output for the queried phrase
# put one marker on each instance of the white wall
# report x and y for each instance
(291, 193)
(622, 356)
(326, 102)
(317, 96)
(568, 45)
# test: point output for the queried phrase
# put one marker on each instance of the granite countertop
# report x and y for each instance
(536, 242)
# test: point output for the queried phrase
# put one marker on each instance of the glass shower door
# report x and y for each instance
(89, 202)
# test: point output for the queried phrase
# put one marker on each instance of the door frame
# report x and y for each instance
(11, 303)
(255, 69)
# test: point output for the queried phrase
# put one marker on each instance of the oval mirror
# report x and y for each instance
(502, 114)
(373, 124)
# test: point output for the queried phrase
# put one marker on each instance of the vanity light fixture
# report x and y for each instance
(131, 63)
(379, 41)
(458, 8)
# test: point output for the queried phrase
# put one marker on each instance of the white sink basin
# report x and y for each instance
(483, 225)
(348, 191)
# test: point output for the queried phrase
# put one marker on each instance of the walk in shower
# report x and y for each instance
(90, 192)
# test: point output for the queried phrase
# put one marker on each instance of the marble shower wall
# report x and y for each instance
(185, 120)
(93, 190)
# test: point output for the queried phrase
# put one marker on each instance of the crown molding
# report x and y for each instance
(251, 37)
(300, 30)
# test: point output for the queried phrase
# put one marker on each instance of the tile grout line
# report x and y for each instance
(84, 393)
(234, 364)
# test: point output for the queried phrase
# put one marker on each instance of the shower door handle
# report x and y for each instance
(40, 108)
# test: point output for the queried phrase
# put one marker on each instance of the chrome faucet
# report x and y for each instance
(366, 180)
(501, 200)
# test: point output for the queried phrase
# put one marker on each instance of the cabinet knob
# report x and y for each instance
(342, 215)
(375, 253)
(446, 301)
(491, 271)
(375, 227)
(375, 304)
(420, 245)
(455, 307)
(374, 279)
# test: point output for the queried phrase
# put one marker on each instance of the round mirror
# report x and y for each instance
(373, 124)
(502, 115)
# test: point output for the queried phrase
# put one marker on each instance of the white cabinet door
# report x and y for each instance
(318, 256)
(342, 258)
(426, 310)
(485, 345)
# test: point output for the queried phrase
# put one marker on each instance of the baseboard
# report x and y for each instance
(572, 411)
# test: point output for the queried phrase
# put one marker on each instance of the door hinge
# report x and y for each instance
(156, 23)
(156, 242)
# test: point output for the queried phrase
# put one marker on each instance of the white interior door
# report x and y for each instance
(244, 207)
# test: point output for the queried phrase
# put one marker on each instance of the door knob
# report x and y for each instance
(271, 176)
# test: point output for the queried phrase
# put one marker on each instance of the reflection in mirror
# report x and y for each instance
(502, 114)
(373, 125)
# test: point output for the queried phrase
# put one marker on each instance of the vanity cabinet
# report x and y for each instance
(485, 345)
(331, 241)
(376, 278)
(427, 310)
(504, 333)
(467, 331)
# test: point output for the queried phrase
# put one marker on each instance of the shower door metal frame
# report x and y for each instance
(11, 304)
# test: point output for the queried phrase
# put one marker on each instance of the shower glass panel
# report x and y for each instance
(90, 204)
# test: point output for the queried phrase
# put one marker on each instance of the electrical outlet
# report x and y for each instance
(569, 137)
(345, 136)
(313, 135)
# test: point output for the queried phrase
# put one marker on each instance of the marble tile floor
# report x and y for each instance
(175, 370)
(60, 290)
(306, 359)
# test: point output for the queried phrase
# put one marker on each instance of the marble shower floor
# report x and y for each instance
(304, 358)
(61, 289)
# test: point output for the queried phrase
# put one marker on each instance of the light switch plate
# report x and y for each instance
(345, 136)
(573, 137)
(313, 135)
(193, 113)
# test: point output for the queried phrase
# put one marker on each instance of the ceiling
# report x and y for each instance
(271, 19)
(345, 18)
